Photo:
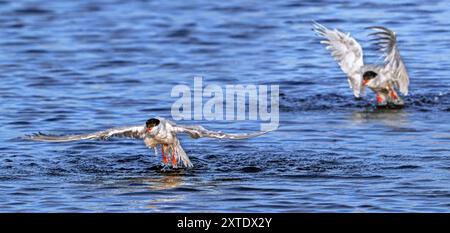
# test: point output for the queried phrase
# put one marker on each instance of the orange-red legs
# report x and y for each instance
(393, 95)
(164, 155)
(174, 160)
(379, 98)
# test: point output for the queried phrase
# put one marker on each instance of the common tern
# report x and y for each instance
(156, 131)
(382, 79)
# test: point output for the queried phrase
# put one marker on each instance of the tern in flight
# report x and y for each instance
(382, 79)
(156, 131)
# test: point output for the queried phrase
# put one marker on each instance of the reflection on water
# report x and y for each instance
(152, 189)
(168, 181)
(389, 117)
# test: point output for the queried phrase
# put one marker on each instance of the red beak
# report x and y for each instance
(149, 129)
(365, 82)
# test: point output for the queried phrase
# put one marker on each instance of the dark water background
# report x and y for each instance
(80, 66)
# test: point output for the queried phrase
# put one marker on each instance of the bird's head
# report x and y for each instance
(368, 76)
(151, 123)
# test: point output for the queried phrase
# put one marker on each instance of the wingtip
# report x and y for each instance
(319, 29)
(380, 28)
(317, 25)
(374, 27)
(26, 137)
(31, 136)
(262, 132)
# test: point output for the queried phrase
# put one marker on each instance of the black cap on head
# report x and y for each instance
(369, 75)
(152, 122)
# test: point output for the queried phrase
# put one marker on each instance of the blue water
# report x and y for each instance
(81, 66)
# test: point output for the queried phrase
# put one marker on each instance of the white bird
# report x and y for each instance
(381, 79)
(156, 131)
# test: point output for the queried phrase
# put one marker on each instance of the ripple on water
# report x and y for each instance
(74, 67)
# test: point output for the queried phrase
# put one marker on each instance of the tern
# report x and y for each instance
(382, 79)
(156, 131)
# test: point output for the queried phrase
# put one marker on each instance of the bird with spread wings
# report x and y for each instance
(156, 131)
(383, 79)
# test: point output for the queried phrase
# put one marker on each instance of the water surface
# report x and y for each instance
(81, 66)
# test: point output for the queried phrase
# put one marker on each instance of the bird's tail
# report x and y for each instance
(181, 155)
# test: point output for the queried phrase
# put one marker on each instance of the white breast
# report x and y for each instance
(150, 142)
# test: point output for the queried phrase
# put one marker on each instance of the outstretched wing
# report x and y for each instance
(386, 40)
(346, 51)
(129, 131)
(197, 131)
